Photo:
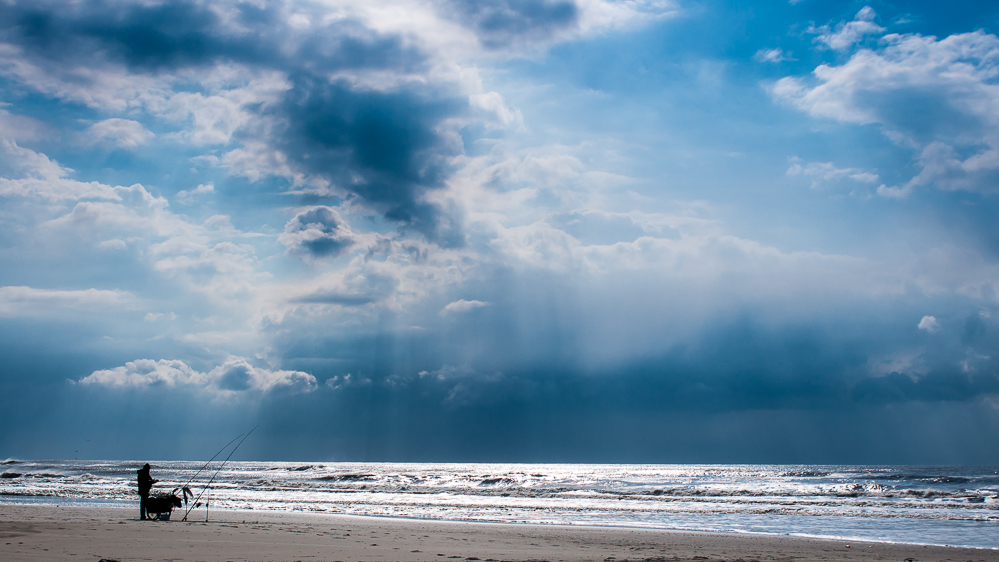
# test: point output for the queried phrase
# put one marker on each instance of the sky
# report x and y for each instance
(669, 231)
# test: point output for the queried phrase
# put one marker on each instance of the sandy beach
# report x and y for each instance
(35, 533)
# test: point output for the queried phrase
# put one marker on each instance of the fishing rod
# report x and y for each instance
(184, 487)
(209, 485)
(213, 458)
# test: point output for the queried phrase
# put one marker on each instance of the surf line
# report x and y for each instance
(209, 485)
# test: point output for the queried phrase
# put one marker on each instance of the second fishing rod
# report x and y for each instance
(209, 485)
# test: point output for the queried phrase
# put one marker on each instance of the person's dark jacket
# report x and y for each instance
(145, 481)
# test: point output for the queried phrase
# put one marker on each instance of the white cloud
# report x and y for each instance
(234, 376)
(237, 374)
(157, 316)
(348, 380)
(233, 97)
(38, 176)
(772, 55)
(894, 192)
(211, 259)
(122, 133)
(317, 232)
(848, 34)
(822, 173)
(462, 305)
(598, 15)
(113, 244)
(492, 102)
(937, 97)
(29, 301)
(101, 86)
(18, 128)
(188, 197)
(144, 373)
(929, 323)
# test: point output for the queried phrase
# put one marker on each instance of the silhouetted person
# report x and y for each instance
(145, 484)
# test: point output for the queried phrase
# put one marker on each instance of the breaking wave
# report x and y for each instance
(941, 505)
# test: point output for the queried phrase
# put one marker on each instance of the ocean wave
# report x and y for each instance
(495, 481)
(804, 473)
(44, 475)
(801, 499)
(348, 477)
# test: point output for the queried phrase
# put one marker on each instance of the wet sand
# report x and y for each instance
(36, 533)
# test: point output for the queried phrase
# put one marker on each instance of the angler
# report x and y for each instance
(157, 506)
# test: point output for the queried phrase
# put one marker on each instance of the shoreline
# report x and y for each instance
(624, 527)
(35, 533)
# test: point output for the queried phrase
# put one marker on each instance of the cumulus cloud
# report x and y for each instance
(157, 316)
(929, 323)
(188, 197)
(462, 305)
(33, 174)
(346, 381)
(121, 133)
(848, 34)
(210, 259)
(236, 375)
(319, 232)
(145, 373)
(935, 96)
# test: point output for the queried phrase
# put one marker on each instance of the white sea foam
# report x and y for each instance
(936, 505)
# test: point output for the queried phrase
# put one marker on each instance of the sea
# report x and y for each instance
(940, 505)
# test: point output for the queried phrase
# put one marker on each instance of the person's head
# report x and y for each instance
(145, 466)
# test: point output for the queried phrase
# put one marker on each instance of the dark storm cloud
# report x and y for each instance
(797, 395)
(961, 368)
(153, 36)
(181, 34)
(742, 393)
(737, 368)
(950, 385)
(384, 146)
(501, 22)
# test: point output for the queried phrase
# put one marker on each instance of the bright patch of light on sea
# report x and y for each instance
(927, 505)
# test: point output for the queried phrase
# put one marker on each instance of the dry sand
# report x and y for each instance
(90, 534)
